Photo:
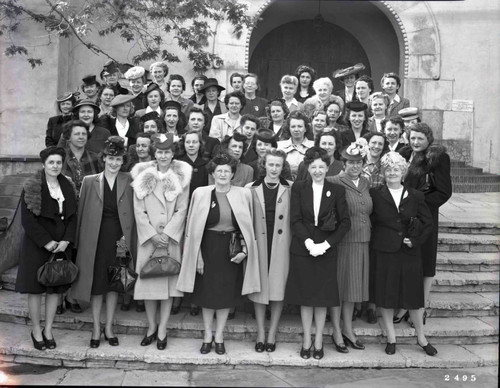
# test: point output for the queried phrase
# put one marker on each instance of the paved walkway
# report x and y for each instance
(14, 374)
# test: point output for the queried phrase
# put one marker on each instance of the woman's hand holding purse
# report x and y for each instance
(160, 240)
(239, 258)
(61, 247)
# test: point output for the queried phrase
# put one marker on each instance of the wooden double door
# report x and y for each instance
(325, 49)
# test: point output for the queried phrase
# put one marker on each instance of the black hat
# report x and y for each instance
(111, 67)
(152, 86)
(172, 105)
(211, 82)
(89, 103)
(163, 141)
(266, 135)
(90, 80)
(150, 116)
(356, 106)
(114, 146)
(223, 158)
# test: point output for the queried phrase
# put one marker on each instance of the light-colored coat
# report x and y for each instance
(159, 203)
(90, 208)
(240, 200)
(273, 277)
(222, 126)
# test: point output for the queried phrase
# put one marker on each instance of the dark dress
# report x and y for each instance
(270, 196)
(199, 176)
(398, 274)
(109, 233)
(430, 174)
(40, 229)
(312, 281)
(221, 284)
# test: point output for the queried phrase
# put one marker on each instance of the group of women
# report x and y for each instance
(304, 210)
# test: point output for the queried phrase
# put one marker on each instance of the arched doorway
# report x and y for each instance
(324, 46)
(370, 27)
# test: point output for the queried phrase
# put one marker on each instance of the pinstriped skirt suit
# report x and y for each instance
(353, 250)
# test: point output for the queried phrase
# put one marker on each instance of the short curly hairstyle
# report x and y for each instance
(68, 128)
(385, 148)
(240, 96)
(315, 153)
(222, 159)
(176, 77)
(52, 150)
(422, 128)
(273, 152)
(368, 80)
(277, 102)
(338, 141)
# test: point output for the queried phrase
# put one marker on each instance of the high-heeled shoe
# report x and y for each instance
(231, 316)
(139, 307)
(305, 353)
(148, 339)
(340, 348)
(125, 307)
(318, 354)
(194, 311)
(206, 347)
(356, 314)
(428, 349)
(372, 316)
(260, 347)
(49, 343)
(60, 309)
(219, 347)
(390, 349)
(39, 345)
(113, 341)
(355, 345)
(94, 343)
(397, 319)
(270, 347)
(74, 307)
(161, 344)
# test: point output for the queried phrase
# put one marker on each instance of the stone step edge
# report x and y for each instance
(181, 353)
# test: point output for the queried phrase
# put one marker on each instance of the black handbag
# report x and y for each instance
(57, 271)
(414, 227)
(160, 266)
(121, 277)
(329, 222)
(235, 245)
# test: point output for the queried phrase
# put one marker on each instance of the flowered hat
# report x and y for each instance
(356, 151)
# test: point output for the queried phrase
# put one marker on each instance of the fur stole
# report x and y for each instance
(146, 177)
(424, 162)
(33, 191)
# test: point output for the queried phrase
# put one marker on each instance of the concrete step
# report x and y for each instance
(182, 353)
(463, 304)
(462, 330)
(476, 179)
(468, 262)
(476, 187)
(467, 170)
(450, 281)
(460, 242)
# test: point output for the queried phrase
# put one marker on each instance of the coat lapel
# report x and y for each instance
(260, 194)
(386, 194)
(121, 181)
(159, 193)
(99, 185)
(350, 183)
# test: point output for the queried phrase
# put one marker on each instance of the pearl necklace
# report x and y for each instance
(271, 186)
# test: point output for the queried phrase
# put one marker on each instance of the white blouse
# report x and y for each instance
(57, 194)
(396, 196)
(317, 193)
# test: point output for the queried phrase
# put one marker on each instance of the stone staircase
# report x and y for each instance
(463, 323)
(468, 179)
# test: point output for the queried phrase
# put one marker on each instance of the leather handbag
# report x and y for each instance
(57, 271)
(328, 223)
(160, 265)
(121, 277)
(235, 246)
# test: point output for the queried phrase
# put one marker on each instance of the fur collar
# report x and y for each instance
(33, 190)
(146, 177)
(424, 162)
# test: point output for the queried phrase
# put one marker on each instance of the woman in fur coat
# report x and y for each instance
(48, 216)
(161, 202)
(429, 172)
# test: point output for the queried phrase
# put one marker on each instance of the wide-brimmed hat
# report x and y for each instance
(163, 141)
(90, 79)
(340, 73)
(134, 72)
(266, 135)
(356, 106)
(88, 103)
(114, 146)
(122, 99)
(356, 150)
(211, 82)
(408, 114)
(150, 116)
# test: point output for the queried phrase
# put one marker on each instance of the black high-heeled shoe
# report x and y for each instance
(39, 345)
(175, 310)
(356, 314)
(206, 347)
(113, 341)
(148, 339)
(372, 316)
(397, 319)
(355, 345)
(194, 311)
(161, 344)
(219, 347)
(260, 347)
(60, 309)
(49, 343)
(74, 307)
(318, 354)
(428, 349)
(94, 343)
(390, 349)
(340, 348)
(270, 347)
(306, 353)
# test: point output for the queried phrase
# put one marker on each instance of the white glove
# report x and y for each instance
(309, 243)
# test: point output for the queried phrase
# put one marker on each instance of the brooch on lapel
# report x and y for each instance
(213, 204)
(328, 193)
